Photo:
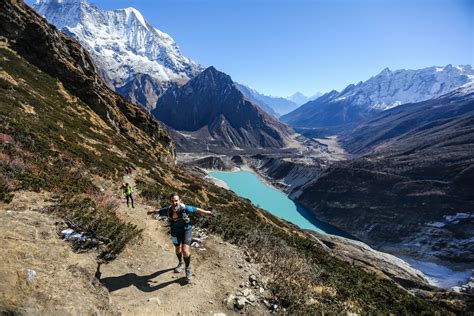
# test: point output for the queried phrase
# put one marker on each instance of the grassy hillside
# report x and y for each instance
(53, 141)
(62, 131)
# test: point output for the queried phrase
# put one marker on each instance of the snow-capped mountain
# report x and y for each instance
(298, 98)
(121, 43)
(391, 88)
(336, 111)
(301, 99)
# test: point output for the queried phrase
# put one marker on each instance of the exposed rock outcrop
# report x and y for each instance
(359, 254)
(62, 57)
(212, 112)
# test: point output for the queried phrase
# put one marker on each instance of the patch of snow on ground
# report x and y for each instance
(436, 224)
(440, 275)
(458, 216)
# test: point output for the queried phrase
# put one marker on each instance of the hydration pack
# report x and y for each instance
(182, 214)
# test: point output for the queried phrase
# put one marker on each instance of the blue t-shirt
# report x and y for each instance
(183, 221)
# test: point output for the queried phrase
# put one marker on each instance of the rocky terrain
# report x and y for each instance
(211, 113)
(336, 111)
(137, 60)
(413, 187)
(66, 141)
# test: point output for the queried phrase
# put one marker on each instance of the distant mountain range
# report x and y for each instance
(135, 59)
(132, 56)
(276, 106)
(301, 99)
(336, 111)
(414, 183)
(211, 111)
(255, 97)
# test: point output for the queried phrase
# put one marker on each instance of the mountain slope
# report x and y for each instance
(406, 120)
(356, 103)
(64, 150)
(277, 104)
(415, 176)
(123, 46)
(250, 95)
(63, 58)
(212, 104)
(54, 143)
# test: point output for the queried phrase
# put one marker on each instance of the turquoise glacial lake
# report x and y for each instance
(246, 184)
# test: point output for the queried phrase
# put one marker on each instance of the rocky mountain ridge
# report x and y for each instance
(337, 111)
(66, 140)
(124, 47)
(210, 111)
(415, 173)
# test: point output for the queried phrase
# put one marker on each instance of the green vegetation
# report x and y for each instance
(52, 141)
(49, 143)
(94, 217)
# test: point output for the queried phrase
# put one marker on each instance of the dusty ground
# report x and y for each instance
(334, 147)
(63, 282)
(139, 282)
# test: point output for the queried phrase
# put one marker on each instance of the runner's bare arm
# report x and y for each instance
(203, 211)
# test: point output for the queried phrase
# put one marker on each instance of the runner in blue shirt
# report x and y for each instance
(181, 230)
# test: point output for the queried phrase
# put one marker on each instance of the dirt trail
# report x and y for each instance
(140, 281)
(39, 273)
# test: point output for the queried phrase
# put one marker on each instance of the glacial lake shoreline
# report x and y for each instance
(247, 184)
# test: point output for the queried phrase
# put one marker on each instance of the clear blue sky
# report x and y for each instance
(282, 46)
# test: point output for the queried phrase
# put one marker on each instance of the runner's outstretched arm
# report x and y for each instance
(203, 211)
(161, 211)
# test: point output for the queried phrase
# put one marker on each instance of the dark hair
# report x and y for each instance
(173, 195)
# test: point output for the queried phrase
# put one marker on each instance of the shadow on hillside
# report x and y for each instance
(141, 282)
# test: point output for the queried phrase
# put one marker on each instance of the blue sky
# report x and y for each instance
(282, 46)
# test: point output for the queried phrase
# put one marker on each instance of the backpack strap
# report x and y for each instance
(182, 214)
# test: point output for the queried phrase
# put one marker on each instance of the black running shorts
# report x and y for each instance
(181, 236)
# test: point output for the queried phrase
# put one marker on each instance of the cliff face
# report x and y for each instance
(131, 55)
(60, 56)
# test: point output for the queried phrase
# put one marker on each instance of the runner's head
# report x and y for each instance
(174, 199)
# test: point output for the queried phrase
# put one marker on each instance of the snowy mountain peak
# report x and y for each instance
(37, 2)
(297, 95)
(121, 42)
(385, 72)
(389, 88)
(300, 98)
(132, 12)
